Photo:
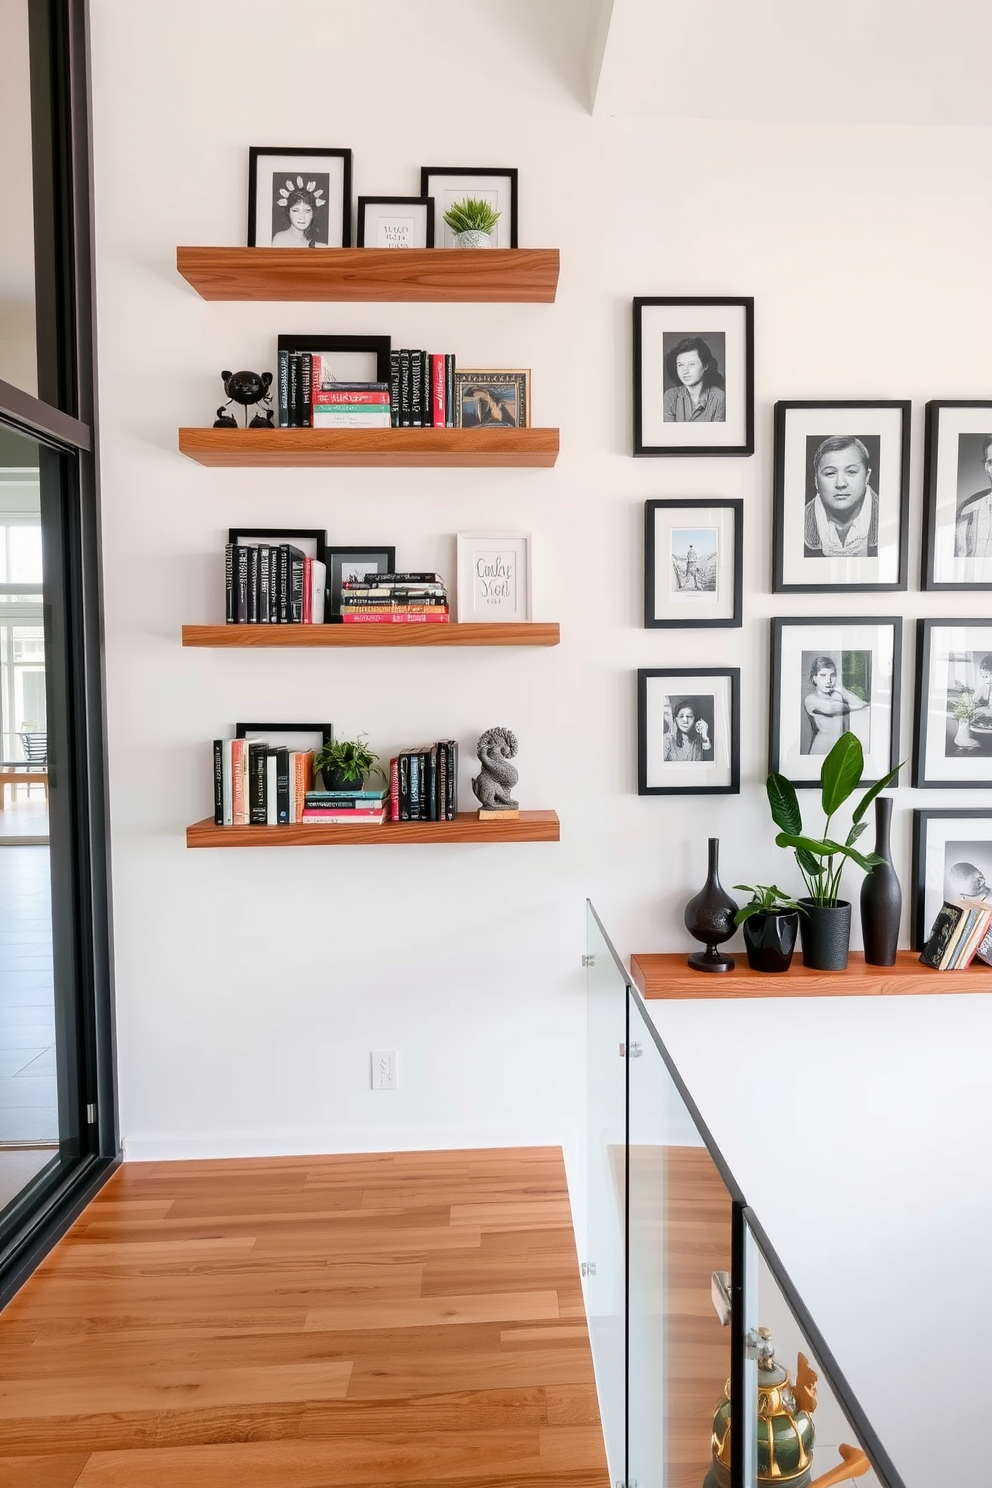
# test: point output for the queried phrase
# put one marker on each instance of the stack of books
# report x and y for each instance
(962, 933)
(310, 395)
(258, 786)
(395, 599)
(367, 808)
(423, 783)
(273, 584)
(422, 389)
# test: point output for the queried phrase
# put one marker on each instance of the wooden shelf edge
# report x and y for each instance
(666, 976)
(530, 826)
(534, 447)
(317, 637)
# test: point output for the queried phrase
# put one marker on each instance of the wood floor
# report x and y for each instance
(405, 1320)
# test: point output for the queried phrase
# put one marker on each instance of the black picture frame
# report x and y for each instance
(483, 171)
(733, 580)
(427, 202)
(647, 713)
(325, 730)
(939, 491)
(382, 560)
(827, 636)
(974, 758)
(258, 153)
(649, 337)
(315, 535)
(924, 823)
(789, 523)
(379, 345)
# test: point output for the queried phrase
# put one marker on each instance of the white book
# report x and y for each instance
(326, 419)
(226, 783)
(271, 792)
(318, 589)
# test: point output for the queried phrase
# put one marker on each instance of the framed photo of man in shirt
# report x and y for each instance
(693, 376)
(688, 731)
(841, 496)
(957, 547)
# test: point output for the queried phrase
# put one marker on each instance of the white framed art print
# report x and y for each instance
(494, 577)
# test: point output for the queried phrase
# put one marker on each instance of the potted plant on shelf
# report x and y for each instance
(770, 922)
(826, 926)
(472, 222)
(346, 764)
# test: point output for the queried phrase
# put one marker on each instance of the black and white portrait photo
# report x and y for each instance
(957, 496)
(973, 518)
(299, 198)
(693, 376)
(299, 210)
(695, 555)
(693, 562)
(688, 731)
(952, 859)
(836, 699)
(841, 501)
(953, 745)
(694, 382)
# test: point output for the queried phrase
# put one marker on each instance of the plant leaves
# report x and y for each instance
(810, 865)
(828, 849)
(784, 804)
(856, 832)
(879, 786)
(841, 772)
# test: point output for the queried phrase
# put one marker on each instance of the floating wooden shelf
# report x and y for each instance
(668, 976)
(521, 275)
(529, 826)
(410, 447)
(531, 633)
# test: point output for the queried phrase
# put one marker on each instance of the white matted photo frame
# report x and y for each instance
(450, 184)
(953, 745)
(494, 577)
(348, 564)
(688, 731)
(830, 677)
(298, 197)
(957, 497)
(395, 222)
(693, 376)
(952, 859)
(693, 562)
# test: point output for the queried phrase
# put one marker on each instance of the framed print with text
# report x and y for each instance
(298, 197)
(688, 731)
(693, 376)
(693, 562)
(952, 859)
(395, 222)
(957, 497)
(494, 577)
(953, 704)
(450, 184)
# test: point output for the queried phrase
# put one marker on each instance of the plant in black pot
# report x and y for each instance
(770, 922)
(345, 764)
(826, 926)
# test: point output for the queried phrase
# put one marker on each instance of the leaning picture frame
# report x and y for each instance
(491, 398)
(957, 496)
(693, 562)
(953, 736)
(395, 222)
(450, 184)
(831, 676)
(298, 197)
(952, 859)
(693, 375)
(293, 735)
(310, 540)
(688, 731)
(352, 563)
(348, 358)
(495, 577)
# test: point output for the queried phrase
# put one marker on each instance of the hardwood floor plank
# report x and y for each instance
(55, 1471)
(429, 1311)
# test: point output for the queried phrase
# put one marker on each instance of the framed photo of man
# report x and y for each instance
(831, 677)
(953, 704)
(693, 562)
(841, 496)
(957, 497)
(952, 859)
(693, 376)
(688, 731)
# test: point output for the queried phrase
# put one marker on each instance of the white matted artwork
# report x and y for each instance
(952, 859)
(688, 726)
(395, 222)
(693, 562)
(449, 185)
(299, 198)
(954, 704)
(494, 577)
(693, 376)
(957, 551)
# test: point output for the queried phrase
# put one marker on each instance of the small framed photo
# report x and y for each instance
(494, 577)
(841, 496)
(831, 677)
(291, 735)
(450, 184)
(693, 376)
(957, 497)
(310, 540)
(952, 859)
(953, 704)
(693, 563)
(345, 358)
(395, 222)
(298, 198)
(688, 731)
(492, 399)
(353, 563)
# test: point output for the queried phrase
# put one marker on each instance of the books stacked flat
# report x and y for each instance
(273, 584)
(422, 389)
(962, 933)
(258, 786)
(351, 405)
(423, 783)
(366, 808)
(395, 599)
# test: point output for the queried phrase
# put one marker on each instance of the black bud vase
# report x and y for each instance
(709, 917)
(881, 896)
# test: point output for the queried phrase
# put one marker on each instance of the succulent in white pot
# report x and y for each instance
(472, 222)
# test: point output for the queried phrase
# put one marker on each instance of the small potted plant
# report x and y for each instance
(472, 222)
(964, 711)
(770, 922)
(346, 764)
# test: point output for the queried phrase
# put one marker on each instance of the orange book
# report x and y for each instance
(302, 776)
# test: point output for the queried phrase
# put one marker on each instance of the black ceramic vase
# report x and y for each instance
(881, 896)
(770, 940)
(709, 917)
(826, 935)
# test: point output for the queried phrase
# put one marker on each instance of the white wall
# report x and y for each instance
(252, 984)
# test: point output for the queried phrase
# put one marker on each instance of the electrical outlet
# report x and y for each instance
(384, 1075)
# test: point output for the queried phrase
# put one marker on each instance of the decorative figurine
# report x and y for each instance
(246, 388)
(496, 779)
(709, 917)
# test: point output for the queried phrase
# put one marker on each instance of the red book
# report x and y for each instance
(437, 389)
(390, 617)
(307, 591)
(394, 789)
(348, 395)
(335, 814)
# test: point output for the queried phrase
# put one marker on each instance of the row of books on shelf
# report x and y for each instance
(962, 933)
(273, 584)
(395, 599)
(420, 393)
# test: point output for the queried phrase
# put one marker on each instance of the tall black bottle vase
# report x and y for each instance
(709, 917)
(881, 896)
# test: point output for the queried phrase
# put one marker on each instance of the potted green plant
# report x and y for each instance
(346, 764)
(964, 711)
(826, 926)
(770, 922)
(472, 222)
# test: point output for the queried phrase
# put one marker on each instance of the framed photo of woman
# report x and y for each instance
(693, 562)
(841, 496)
(952, 859)
(953, 745)
(957, 497)
(298, 197)
(693, 376)
(831, 677)
(688, 731)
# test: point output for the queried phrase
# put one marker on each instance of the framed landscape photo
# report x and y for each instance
(345, 358)
(831, 677)
(395, 222)
(298, 197)
(492, 399)
(688, 731)
(957, 497)
(353, 563)
(693, 562)
(841, 496)
(494, 577)
(693, 376)
(952, 859)
(953, 704)
(451, 184)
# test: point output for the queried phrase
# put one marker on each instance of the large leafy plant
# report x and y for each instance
(471, 215)
(822, 859)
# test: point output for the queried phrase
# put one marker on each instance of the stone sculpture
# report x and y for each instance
(496, 779)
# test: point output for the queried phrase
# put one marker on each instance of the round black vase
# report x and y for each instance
(709, 917)
(825, 933)
(881, 896)
(770, 940)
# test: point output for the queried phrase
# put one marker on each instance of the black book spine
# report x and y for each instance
(452, 779)
(295, 589)
(282, 785)
(417, 389)
(306, 390)
(218, 782)
(283, 583)
(273, 586)
(441, 780)
(257, 755)
(293, 401)
(449, 390)
(264, 586)
(283, 389)
(403, 770)
(404, 388)
(241, 562)
(253, 584)
(229, 604)
(416, 787)
(394, 389)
